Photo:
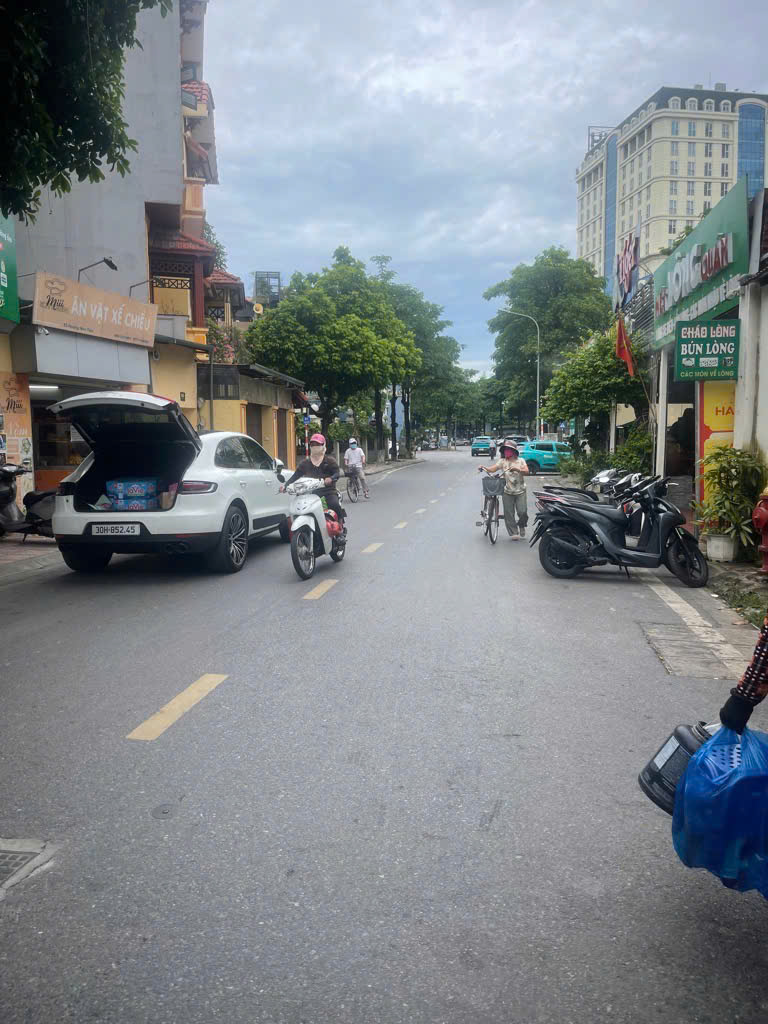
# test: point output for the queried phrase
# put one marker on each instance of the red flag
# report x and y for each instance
(623, 350)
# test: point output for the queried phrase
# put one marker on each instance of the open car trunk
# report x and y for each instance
(162, 462)
(142, 446)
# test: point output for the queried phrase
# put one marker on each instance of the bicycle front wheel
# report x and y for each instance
(493, 521)
(353, 488)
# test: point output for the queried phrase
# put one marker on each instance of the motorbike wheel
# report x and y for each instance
(303, 552)
(684, 559)
(337, 553)
(554, 560)
(533, 467)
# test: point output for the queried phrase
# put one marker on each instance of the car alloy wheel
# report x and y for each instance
(237, 538)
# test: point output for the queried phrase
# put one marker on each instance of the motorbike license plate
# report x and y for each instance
(115, 530)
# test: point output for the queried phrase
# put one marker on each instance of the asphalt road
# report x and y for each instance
(412, 799)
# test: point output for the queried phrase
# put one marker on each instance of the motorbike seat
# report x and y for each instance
(616, 515)
(32, 497)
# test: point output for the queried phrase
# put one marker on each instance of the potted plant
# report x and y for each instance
(732, 481)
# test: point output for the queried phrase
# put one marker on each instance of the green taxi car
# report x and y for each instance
(544, 456)
(483, 446)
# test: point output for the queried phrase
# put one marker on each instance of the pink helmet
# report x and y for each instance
(317, 439)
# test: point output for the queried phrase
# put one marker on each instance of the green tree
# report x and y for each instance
(438, 353)
(336, 332)
(62, 71)
(566, 297)
(591, 381)
(209, 235)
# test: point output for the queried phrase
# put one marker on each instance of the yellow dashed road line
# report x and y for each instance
(320, 589)
(401, 526)
(163, 719)
(371, 548)
(420, 511)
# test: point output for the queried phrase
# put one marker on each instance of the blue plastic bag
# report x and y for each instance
(720, 821)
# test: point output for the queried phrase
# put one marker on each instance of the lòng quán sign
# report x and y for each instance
(707, 350)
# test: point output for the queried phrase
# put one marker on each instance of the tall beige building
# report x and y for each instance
(663, 168)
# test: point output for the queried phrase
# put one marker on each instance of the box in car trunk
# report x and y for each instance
(163, 461)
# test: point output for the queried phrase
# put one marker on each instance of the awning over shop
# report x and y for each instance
(63, 354)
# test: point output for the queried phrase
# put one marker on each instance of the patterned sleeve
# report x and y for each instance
(754, 683)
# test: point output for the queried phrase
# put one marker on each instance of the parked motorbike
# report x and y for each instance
(315, 529)
(38, 506)
(574, 536)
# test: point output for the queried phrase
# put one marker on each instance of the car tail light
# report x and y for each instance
(197, 487)
(66, 487)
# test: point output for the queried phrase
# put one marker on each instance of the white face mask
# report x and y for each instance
(317, 454)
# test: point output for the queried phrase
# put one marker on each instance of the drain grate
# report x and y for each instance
(12, 861)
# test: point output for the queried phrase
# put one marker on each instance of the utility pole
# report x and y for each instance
(538, 367)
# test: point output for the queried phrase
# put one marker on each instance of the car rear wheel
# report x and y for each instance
(231, 549)
(86, 559)
(533, 467)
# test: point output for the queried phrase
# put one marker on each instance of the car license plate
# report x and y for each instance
(115, 530)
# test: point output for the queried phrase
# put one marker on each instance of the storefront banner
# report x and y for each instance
(72, 306)
(716, 414)
(16, 427)
(707, 350)
(9, 294)
(703, 275)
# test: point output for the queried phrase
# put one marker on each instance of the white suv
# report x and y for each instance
(201, 493)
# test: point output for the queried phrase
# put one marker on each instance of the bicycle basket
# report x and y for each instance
(493, 486)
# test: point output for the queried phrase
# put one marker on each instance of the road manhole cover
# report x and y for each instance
(19, 858)
(11, 862)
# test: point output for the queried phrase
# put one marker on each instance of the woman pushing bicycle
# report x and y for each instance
(515, 496)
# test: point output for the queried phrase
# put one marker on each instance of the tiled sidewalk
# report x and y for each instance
(18, 557)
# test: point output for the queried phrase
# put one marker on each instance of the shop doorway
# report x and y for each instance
(253, 421)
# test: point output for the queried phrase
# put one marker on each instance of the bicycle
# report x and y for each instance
(493, 487)
(353, 485)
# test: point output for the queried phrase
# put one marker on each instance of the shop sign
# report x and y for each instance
(717, 399)
(16, 427)
(626, 271)
(702, 277)
(9, 294)
(72, 306)
(707, 350)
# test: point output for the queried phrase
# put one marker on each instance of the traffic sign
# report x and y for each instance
(307, 420)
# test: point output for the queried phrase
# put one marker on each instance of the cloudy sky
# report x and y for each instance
(443, 135)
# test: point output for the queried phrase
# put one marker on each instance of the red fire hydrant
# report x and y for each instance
(760, 523)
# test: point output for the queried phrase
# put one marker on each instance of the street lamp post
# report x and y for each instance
(538, 366)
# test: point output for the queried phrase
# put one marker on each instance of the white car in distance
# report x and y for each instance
(203, 493)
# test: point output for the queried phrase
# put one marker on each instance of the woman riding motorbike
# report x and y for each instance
(321, 466)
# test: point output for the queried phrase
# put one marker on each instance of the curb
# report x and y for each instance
(25, 567)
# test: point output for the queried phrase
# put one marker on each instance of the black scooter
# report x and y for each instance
(574, 536)
(38, 506)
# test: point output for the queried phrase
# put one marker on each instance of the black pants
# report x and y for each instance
(331, 496)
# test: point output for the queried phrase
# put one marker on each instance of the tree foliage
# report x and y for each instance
(337, 332)
(566, 298)
(210, 236)
(62, 70)
(592, 380)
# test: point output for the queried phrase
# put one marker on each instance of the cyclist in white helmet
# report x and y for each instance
(354, 461)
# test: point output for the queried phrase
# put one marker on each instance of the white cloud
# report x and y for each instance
(445, 135)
